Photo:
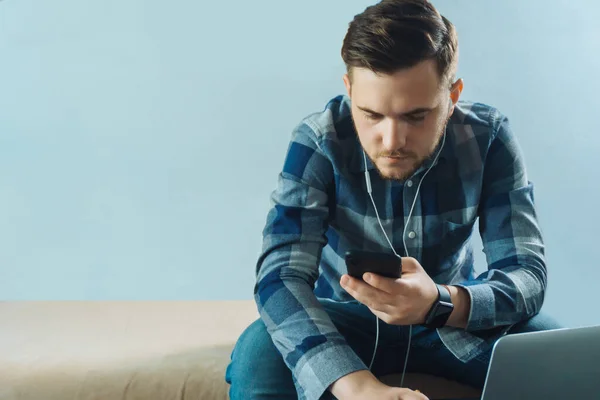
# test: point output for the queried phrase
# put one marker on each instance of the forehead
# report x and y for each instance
(401, 91)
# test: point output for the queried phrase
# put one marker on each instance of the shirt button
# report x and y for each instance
(409, 183)
(412, 235)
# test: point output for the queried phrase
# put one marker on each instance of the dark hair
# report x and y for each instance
(397, 34)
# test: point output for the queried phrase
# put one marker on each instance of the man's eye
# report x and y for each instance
(415, 118)
(372, 117)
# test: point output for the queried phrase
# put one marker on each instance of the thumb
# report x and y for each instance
(411, 265)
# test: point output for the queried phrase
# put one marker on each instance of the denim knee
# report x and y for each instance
(539, 322)
(257, 370)
(247, 351)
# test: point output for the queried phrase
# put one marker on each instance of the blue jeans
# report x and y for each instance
(257, 370)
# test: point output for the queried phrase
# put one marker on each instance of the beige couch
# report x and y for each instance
(132, 350)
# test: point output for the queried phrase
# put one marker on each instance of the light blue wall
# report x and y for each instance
(140, 140)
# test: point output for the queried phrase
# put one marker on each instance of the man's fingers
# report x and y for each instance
(394, 287)
(366, 294)
(382, 283)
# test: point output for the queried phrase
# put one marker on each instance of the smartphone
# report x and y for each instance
(385, 264)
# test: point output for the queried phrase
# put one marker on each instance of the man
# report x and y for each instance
(435, 166)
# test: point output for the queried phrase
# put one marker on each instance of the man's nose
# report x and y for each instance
(393, 136)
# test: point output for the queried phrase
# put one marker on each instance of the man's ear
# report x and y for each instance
(455, 91)
(348, 85)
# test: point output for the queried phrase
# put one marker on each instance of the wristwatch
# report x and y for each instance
(440, 311)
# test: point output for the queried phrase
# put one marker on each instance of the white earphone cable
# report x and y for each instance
(369, 190)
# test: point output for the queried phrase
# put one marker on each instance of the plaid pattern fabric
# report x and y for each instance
(321, 209)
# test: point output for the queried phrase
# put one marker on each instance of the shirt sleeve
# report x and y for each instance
(513, 288)
(287, 269)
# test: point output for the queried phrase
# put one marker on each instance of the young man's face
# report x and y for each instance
(400, 118)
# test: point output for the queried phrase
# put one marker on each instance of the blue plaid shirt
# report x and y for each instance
(321, 209)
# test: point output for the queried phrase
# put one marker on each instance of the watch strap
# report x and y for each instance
(440, 311)
(444, 293)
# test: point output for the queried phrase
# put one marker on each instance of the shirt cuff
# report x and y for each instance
(323, 367)
(483, 306)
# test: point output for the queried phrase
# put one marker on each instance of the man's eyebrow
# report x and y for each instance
(410, 113)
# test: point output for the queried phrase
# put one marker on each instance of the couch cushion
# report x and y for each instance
(132, 350)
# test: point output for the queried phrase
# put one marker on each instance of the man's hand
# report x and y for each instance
(392, 393)
(403, 301)
(363, 385)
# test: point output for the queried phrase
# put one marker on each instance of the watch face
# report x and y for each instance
(444, 308)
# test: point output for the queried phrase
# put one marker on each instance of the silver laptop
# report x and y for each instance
(557, 364)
